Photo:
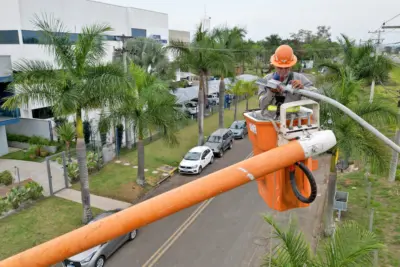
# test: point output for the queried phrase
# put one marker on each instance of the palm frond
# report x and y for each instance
(90, 46)
(292, 249)
(56, 39)
(351, 245)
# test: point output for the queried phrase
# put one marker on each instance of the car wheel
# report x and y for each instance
(242, 136)
(100, 262)
(211, 160)
(231, 145)
(221, 153)
(200, 170)
(132, 235)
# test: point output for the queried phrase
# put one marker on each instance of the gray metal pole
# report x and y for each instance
(65, 168)
(49, 176)
(348, 112)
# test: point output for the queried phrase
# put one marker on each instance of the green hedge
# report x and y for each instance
(6, 177)
(33, 140)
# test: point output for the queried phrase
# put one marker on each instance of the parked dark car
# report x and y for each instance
(239, 129)
(219, 141)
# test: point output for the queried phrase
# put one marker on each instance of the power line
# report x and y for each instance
(391, 19)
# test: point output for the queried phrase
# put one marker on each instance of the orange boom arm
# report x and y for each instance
(146, 212)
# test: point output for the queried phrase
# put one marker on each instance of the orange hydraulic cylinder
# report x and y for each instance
(156, 208)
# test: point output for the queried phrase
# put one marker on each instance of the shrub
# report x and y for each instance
(18, 138)
(33, 191)
(73, 172)
(3, 206)
(6, 177)
(38, 140)
(16, 196)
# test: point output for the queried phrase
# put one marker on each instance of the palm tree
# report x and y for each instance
(150, 105)
(362, 60)
(200, 57)
(351, 245)
(76, 81)
(149, 54)
(352, 139)
(237, 89)
(67, 134)
(249, 89)
(226, 39)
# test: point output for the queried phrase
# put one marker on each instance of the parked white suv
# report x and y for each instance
(213, 98)
(188, 107)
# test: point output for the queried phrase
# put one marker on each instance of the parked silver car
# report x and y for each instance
(239, 129)
(97, 256)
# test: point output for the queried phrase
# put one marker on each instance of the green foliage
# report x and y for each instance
(73, 172)
(18, 138)
(6, 177)
(353, 140)
(3, 206)
(16, 196)
(92, 161)
(66, 132)
(351, 245)
(33, 140)
(33, 190)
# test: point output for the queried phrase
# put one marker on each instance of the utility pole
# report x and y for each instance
(371, 96)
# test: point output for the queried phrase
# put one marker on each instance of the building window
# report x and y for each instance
(9, 37)
(31, 37)
(42, 113)
(139, 32)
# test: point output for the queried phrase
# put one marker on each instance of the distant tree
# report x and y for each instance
(323, 33)
(388, 49)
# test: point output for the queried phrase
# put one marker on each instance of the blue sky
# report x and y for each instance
(263, 17)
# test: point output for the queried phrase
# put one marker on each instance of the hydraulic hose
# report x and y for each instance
(348, 112)
(311, 180)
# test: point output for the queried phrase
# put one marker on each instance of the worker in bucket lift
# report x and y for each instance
(283, 60)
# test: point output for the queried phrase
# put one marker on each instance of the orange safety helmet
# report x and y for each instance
(283, 57)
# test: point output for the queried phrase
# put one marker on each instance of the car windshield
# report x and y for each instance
(214, 139)
(192, 156)
(190, 105)
(237, 125)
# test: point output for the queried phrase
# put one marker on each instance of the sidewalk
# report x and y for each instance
(95, 201)
(37, 171)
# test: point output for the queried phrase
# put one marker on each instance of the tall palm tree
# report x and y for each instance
(351, 245)
(151, 106)
(200, 57)
(352, 139)
(227, 40)
(75, 81)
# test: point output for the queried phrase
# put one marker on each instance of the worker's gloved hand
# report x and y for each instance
(296, 84)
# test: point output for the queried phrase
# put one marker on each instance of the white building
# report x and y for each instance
(19, 39)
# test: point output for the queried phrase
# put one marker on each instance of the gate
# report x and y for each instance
(57, 172)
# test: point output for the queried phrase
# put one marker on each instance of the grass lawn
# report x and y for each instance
(45, 220)
(21, 155)
(385, 199)
(117, 181)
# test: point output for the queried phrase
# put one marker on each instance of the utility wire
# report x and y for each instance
(391, 19)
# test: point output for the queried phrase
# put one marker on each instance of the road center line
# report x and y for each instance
(181, 229)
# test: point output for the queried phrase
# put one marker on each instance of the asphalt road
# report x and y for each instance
(225, 231)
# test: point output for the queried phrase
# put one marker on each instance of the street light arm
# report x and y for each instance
(156, 208)
(348, 112)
